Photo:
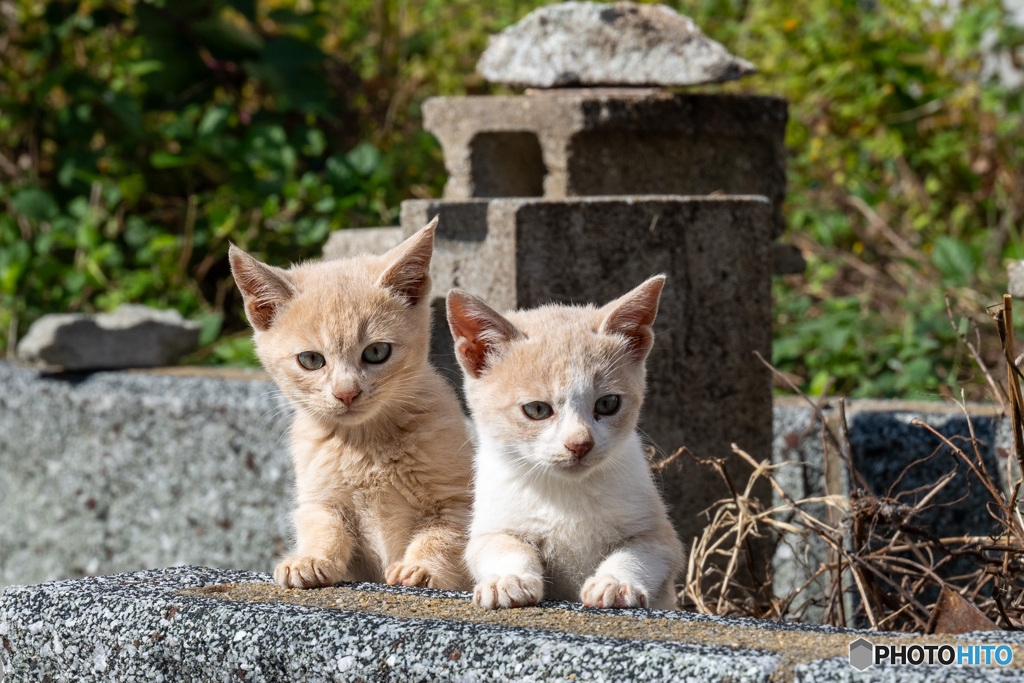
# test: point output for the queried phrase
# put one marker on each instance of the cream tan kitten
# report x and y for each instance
(381, 455)
(564, 504)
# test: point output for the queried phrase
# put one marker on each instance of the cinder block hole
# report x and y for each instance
(507, 165)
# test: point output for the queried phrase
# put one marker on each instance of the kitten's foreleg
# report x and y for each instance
(433, 558)
(507, 570)
(323, 550)
(641, 573)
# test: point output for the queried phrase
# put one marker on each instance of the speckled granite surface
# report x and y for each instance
(140, 627)
(115, 471)
(192, 623)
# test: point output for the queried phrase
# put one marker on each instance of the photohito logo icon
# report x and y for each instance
(862, 654)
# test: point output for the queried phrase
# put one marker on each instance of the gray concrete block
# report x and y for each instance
(133, 336)
(588, 142)
(706, 389)
(356, 241)
(622, 43)
(812, 471)
(116, 471)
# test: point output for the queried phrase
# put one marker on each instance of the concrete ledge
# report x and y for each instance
(109, 472)
(191, 623)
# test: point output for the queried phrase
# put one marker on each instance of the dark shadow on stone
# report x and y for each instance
(71, 378)
(508, 164)
(442, 350)
(461, 223)
(611, 162)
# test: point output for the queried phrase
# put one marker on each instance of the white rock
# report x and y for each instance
(623, 43)
(1016, 276)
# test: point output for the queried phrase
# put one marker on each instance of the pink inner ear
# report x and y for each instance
(409, 275)
(477, 329)
(411, 286)
(640, 336)
(264, 288)
(633, 315)
(470, 349)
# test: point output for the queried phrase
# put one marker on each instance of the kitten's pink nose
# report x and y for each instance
(580, 448)
(346, 396)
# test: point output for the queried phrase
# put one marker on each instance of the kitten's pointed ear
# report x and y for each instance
(264, 288)
(409, 273)
(632, 316)
(478, 329)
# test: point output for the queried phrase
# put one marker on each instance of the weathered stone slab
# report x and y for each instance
(577, 143)
(355, 241)
(120, 471)
(191, 623)
(133, 336)
(706, 389)
(621, 43)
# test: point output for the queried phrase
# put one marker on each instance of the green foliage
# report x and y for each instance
(138, 138)
(904, 181)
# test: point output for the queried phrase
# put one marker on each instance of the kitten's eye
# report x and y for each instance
(537, 410)
(607, 405)
(377, 352)
(311, 360)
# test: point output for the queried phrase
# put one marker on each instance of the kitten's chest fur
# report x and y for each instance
(386, 485)
(574, 525)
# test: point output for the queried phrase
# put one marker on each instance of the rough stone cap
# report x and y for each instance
(133, 336)
(597, 44)
(191, 623)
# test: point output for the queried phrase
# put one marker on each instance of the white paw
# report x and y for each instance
(607, 591)
(296, 571)
(508, 591)
(408, 575)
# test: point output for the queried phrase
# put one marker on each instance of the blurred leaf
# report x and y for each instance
(35, 204)
(954, 259)
(364, 159)
(165, 159)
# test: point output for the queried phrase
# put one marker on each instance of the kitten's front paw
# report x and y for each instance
(607, 591)
(508, 591)
(296, 571)
(409, 575)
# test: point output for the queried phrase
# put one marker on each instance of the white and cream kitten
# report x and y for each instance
(564, 503)
(381, 455)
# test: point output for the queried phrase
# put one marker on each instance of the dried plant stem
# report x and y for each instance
(997, 389)
(864, 559)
